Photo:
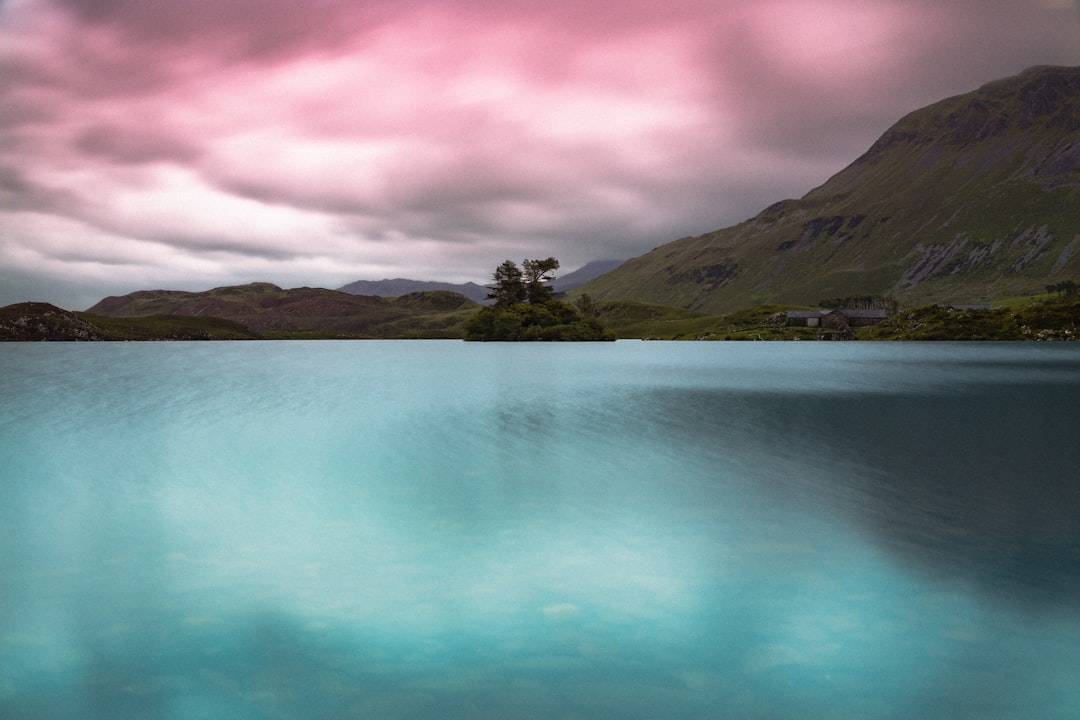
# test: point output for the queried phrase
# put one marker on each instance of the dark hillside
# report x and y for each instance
(315, 312)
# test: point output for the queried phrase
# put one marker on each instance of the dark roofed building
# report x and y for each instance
(862, 318)
(854, 317)
(805, 318)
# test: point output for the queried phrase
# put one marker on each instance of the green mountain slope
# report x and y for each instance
(271, 311)
(972, 198)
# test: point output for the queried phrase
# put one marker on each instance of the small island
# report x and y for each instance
(525, 308)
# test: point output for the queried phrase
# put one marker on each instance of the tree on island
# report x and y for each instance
(525, 308)
(509, 287)
(538, 279)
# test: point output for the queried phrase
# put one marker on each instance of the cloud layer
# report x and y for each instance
(200, 143)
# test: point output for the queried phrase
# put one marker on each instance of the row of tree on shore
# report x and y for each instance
(1065, 290)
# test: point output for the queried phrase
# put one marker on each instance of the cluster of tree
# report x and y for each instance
(525, 308)
(1065, 290)
(531, 283)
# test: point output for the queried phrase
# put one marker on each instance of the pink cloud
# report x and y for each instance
(259, 139)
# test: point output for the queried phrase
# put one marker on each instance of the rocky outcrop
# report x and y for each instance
(34, 321)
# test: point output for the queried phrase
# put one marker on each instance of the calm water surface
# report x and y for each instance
(450, 530)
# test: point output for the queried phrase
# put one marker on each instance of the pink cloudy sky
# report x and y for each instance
(197, 143)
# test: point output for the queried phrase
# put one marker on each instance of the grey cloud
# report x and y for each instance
(239, 30)
(20, 193)
(134, 145)
(230, 248)
(953, 48)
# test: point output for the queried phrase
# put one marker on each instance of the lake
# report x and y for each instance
(438, 529)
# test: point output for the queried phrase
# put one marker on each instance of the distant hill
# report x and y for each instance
(970, 199)
(270, 311)
(584, 274)
(477, 293)
(401, 286)
(36, 321)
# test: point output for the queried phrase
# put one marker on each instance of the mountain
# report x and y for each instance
(972, 198)
(477, 293)
(401, 286)
(585, 273)
(270, 311)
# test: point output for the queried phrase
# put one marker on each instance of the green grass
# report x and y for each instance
(1046, 320)
(169, 327)
(643, 320)
(438, 326)
(630, 320)
(1024, 300)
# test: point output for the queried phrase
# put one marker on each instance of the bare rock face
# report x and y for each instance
(33, 321)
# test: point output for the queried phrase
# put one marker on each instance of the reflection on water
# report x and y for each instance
(636, 530)
(978, 484)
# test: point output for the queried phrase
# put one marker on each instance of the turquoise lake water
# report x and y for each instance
(615, 530)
